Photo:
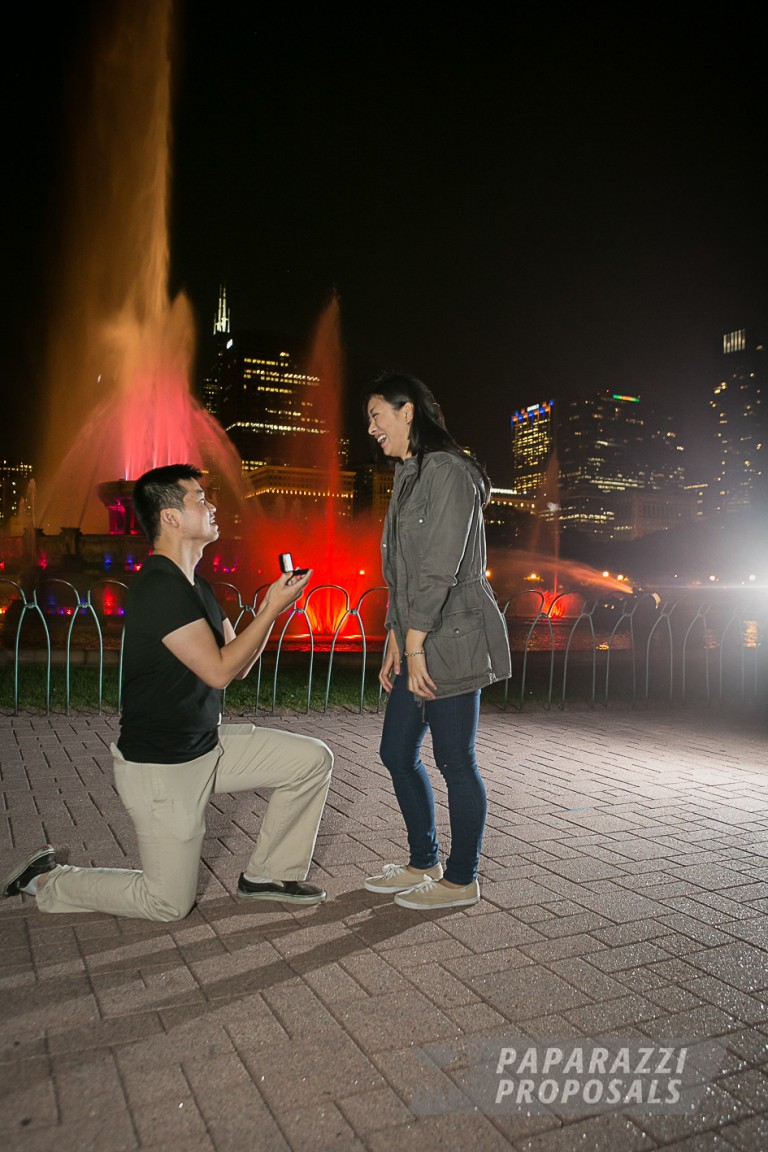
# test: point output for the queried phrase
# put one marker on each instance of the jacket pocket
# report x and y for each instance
(413, 519)
(458, 649)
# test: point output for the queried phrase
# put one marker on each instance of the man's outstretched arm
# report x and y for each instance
(195, 645)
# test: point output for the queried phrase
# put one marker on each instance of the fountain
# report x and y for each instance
(121, 349)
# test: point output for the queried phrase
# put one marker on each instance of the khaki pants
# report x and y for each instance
(166, 803)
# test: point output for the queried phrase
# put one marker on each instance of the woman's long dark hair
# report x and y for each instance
(427, 430)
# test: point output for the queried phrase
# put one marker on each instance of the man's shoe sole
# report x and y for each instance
(21, 868)
(281, 897)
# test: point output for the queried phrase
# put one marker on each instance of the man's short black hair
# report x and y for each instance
(158, 489)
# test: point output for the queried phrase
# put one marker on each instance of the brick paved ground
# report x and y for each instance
(625, 879)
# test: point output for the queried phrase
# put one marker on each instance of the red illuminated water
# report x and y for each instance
(348, 557)
(339, 550)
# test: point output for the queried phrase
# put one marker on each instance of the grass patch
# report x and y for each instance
(240, 697)
(83, 689)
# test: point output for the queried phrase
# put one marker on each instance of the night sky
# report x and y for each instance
(512, 204)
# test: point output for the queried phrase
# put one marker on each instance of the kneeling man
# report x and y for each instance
(172, 752)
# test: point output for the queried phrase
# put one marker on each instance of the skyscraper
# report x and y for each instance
(740, 409)
(533, 440)
(257, 388)
(217, 348)
(614, 452)
(267, 401)
(279, 415)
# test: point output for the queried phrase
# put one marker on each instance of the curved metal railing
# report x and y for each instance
(634, 648)
(540, 616)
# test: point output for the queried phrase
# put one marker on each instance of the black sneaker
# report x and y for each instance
(288, 891)
(41, 861)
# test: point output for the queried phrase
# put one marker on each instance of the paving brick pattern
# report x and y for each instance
(625, 884)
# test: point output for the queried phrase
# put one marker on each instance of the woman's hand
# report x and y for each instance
(390, 667)
(420, 683)
(419, 680)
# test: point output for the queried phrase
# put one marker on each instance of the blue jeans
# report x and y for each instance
(453, 724)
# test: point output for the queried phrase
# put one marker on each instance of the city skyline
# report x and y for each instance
(554, 213)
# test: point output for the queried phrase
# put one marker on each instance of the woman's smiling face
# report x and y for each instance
(390, 426)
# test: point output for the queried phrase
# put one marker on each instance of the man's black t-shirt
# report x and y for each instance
(169, 715)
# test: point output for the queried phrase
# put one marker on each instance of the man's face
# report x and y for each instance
(199, 518)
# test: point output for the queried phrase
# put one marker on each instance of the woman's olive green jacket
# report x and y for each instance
(434, 560)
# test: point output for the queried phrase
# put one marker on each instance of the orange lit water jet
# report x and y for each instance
(535, 585)
(121, 350)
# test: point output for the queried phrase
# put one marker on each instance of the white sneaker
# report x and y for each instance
(399, 878)
(430, 894)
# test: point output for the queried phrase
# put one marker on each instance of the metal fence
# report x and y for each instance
(698, 646)
(705, 646)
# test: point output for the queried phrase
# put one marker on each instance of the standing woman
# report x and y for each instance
(446, 639)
